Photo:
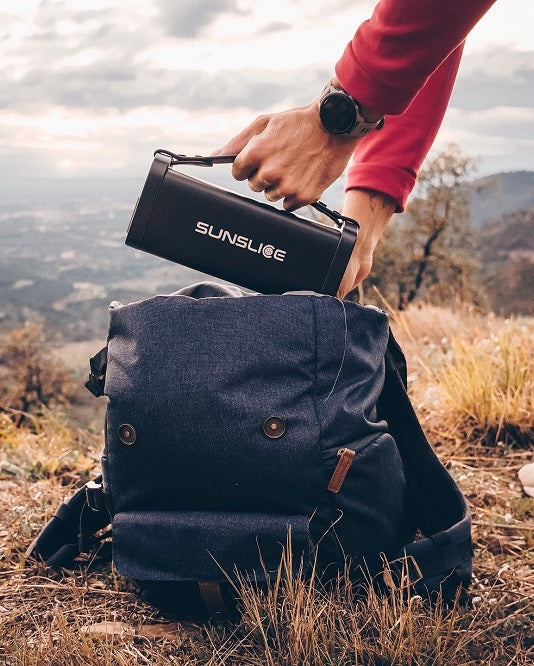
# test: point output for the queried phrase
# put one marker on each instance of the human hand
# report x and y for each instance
(372, 210)
(289, 156)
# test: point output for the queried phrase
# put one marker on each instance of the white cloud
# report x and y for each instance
(98, 84)
(502, 138)
(495, 76)
(188, 18)
(59, 142)
(507, 23)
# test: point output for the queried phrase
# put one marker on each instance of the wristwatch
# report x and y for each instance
(340, 113)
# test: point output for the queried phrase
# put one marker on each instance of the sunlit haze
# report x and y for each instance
(91, 87)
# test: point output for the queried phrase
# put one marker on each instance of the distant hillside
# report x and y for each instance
(62, 253)
(506, 255)
(65, 262)
(501, 194)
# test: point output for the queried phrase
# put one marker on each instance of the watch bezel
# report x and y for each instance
(344, 99)
(360, 126)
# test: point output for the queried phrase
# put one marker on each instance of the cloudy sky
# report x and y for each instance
(92, 87)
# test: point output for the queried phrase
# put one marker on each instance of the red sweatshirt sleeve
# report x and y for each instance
(388, 160)
(393, 53)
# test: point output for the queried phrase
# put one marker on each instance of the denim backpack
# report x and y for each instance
(238, 425)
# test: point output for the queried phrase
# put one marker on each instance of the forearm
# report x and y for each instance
(393, 53)
(389, 160)
(372, 210)
(385, 166)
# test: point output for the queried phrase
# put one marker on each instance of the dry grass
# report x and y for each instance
(304, 624)
(48, 448)
(93, 616)
(489, 384)
(474, 374)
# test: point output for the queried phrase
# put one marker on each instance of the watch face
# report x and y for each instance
(338, 113)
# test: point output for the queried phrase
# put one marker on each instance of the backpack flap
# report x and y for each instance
(205, 546)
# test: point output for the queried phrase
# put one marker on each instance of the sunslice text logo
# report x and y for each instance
(268, 251)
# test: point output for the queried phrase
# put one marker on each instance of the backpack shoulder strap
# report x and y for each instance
(71, 531)
(438, 508)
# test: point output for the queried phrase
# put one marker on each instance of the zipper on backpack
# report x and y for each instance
(346, 456)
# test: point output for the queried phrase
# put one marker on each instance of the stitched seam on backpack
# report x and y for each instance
(338, 375)
(324, 491)
(106, 454)
(312, 298)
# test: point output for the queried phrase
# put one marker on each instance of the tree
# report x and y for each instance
(30, 376)
(429, 251)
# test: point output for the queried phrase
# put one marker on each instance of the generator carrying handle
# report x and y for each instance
(209, 161)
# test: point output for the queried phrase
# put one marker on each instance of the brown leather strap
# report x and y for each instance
(346, 456)
(212, 598)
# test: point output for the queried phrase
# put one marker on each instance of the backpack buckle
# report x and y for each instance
(97, 375)
(95, 496)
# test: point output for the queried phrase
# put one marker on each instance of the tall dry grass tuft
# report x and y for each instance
(50, 448)
(474, 373)
(488, 383)
(296, 621)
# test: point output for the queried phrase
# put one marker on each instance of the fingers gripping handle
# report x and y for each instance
(208, 161)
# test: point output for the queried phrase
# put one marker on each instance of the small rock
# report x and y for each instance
(120, 630)
(526, 476)
(9, 469)
(116, 630)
